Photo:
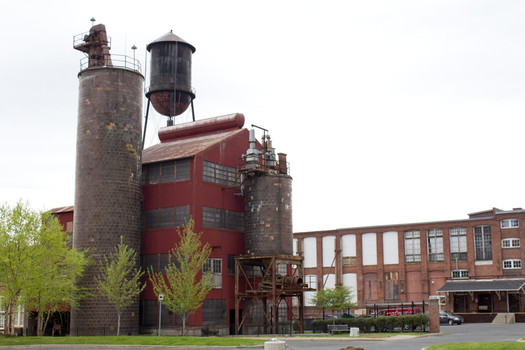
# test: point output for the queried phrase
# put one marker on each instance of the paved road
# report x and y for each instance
(470, 332)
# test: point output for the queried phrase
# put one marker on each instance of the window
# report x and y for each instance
(458, 243)
(509, 223)
(511, 264)
(170, 171)
(459, 273)
(510, 243)
(482, 243)
(220, 174)
(221, 218)
(311, 280)
(435, 245)
(392, 285)
(412, 246)
(214, 312)
(167, 217)
(214, 266)
(349, 260)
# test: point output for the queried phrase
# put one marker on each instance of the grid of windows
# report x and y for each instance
(412, 246)
(214, 312)
(509, 223)
(458, 243)
(435, 244)
(170, 171)
(167, 217)
(222, 218)
(512, 264)
(155, 262)
(482, 243)
(510, 243)
(220, 174)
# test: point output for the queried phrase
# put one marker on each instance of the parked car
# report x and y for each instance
(399, 312)
(450, 318)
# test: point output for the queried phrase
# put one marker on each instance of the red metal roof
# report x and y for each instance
(188, 146)
(62, 210)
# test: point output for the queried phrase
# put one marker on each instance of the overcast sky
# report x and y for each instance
(389, 111)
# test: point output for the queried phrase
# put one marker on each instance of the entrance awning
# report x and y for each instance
(497, 285)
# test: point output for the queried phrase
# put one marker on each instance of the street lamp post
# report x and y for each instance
(161, 298)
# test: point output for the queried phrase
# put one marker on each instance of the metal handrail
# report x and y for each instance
(116, 61)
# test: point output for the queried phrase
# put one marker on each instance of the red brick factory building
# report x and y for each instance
(473, 265)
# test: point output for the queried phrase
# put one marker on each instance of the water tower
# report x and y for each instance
(108, 170)
(170, 90)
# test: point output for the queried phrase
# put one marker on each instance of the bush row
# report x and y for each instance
(407, 323)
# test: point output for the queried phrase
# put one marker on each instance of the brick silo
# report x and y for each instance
(108, 175)
(268, 201)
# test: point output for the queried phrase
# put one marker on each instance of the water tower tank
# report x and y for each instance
(170, 75)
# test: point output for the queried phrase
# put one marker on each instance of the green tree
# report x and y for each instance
(334, 299)
(183, 283)
(119, 279)
(56, 269)
(38, 269)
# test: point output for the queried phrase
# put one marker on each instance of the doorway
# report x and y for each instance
(485, 303)
(232, 321)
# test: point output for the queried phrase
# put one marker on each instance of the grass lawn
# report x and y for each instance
(478, 346)
(133, 340)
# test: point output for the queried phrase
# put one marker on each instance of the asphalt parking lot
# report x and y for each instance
(469, 332)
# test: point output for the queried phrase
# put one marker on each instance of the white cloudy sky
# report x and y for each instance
(389, 111)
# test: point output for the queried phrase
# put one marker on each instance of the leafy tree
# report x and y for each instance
(55, 272)
(334, 299)
(119, 279)
(183, 283)
(37, 267)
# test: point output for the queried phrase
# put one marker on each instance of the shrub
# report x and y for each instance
(406, 323)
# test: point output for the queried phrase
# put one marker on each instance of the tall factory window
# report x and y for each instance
(310, 251)
(348, 245)
(509, 223)
(412, 246)
(435, 244)
(391, 285)
(328, 251)
(369, 242)
(214, 266)
(350, 281)
(390, 250)
(220, 174)
(483, 243)
(221, 218)
(311, 280)
(170, 171)
(167, 217)
(458, 243)
(213, 312)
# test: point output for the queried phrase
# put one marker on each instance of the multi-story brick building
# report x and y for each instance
(474, 265)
